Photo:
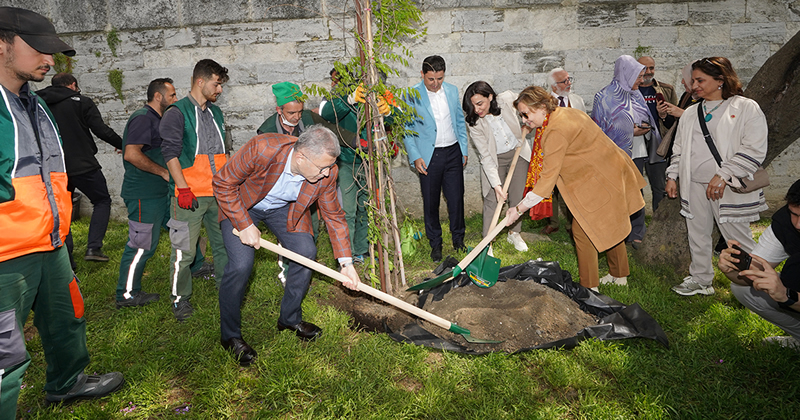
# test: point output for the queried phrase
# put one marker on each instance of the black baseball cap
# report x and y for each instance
(34, 29)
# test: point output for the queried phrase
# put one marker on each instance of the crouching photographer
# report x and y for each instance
(771, 295)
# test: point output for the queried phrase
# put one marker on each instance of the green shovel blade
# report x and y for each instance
(467, 336)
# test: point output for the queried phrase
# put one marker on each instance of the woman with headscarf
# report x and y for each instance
(598, 182)
(495, 130)
(738, 131)
(621, 112)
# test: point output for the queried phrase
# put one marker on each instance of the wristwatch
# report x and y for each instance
(346, 264)
(791, 299)
(519, 213)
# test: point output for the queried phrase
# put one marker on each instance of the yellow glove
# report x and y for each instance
(383, 107)
(357, 96)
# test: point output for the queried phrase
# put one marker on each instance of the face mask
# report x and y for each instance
(283, 120)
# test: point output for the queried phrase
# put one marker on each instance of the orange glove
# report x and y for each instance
(357, 96)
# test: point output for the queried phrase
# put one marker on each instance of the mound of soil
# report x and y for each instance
(523, 314)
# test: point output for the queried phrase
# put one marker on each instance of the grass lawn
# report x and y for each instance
(716, 366)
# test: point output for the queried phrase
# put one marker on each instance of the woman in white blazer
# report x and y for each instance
(496, 132)
(739, 132)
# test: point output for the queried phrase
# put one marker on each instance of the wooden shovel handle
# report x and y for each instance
(398, 303)
(505, 187)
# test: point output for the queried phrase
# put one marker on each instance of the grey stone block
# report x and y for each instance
(239, 33)
(438, 21)
(247, 97)
(78, 15)
(632, 38)
(513, 41)
(439, 44)
(171, 58)
(134, 42)
(478, 20)
(338, 7)
(271, 52)
(242, 74)
(291, 9)
(604, 15)
(726, 11)
(773, 11)
(768, 32)
(321, 50)
(472, 41)
(135, 14)
(180, 37)
(215, 11)
(272, 73)
(541, 61)
(662, 14)
(544, 19)
(690, 36)
(299, 30)
(464, 64)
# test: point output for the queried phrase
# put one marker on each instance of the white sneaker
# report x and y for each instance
(519, 243)
(595, 289)
(690, 287)
(786, 341)
(617, 281)
(490, 252)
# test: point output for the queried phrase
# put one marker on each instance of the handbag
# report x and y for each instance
(666, 141)
(760, 178)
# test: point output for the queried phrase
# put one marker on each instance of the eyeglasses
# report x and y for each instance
(566, 81)
(321, 168)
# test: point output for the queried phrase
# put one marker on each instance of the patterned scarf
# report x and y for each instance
(616, 107)
(545, 207)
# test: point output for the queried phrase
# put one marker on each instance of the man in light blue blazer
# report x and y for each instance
(439, 152)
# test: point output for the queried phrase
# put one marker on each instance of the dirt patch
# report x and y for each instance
(523, 314)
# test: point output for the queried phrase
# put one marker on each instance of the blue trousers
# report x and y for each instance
(240, 266)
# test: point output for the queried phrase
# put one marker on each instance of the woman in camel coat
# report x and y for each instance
(598, 181)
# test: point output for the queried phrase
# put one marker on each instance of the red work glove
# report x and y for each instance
(186, 199)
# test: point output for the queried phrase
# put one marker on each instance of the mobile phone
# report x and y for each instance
(659, 97)
(744, 259)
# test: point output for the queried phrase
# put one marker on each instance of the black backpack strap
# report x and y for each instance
(706, 134)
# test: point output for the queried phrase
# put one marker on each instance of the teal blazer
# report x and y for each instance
(421, 145)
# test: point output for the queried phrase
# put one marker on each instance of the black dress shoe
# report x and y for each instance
(459, 247)
(241, 350)
(305, 330)
(436, 254)
(95, 254)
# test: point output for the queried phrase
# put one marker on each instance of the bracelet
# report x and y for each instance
(519, 213)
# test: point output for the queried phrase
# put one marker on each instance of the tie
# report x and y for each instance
(561, 101)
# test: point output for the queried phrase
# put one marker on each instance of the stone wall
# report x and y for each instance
(509, 43)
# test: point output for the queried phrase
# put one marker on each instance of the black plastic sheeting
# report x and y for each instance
(618, 321)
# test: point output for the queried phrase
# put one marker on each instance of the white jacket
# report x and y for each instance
(741, 139)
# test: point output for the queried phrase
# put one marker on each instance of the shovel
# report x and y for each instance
(433, 319)
(485, 269)
(483, 272)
